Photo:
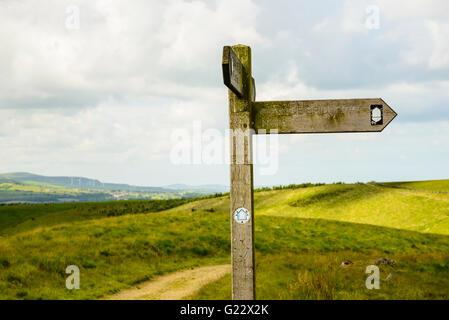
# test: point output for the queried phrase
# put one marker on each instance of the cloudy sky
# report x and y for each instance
(98, 88)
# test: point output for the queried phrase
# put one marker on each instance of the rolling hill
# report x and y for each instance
(23, 187)
(301, 236)
(431, 185)
(73, 182)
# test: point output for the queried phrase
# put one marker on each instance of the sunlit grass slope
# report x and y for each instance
(18, 218)
(359, 203)
(419, 211)
(301, 238)
(114, 253)
(432, 185)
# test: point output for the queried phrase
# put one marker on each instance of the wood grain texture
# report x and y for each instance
(233, 72)
(242, 235)
(320, 116)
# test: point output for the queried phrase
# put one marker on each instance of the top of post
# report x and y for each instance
(236, 67)
(241, 46)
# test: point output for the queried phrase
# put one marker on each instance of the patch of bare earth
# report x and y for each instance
(174, 286)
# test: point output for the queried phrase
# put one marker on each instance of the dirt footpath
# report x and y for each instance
(174, 286)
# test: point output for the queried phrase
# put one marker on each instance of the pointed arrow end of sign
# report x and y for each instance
(389, 114)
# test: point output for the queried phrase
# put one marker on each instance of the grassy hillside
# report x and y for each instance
(424, 212)
(19, 218)
(431, 185)
(42, 193)
(301, 235)
(358, 203)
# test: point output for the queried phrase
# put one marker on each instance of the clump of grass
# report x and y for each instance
(106, 253)
(315, 285)
(200, 251)
(4, 263)
(14, 279)
(21, 294)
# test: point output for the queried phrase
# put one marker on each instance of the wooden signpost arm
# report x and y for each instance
(322, 116)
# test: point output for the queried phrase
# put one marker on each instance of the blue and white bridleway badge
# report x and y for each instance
(242, 215)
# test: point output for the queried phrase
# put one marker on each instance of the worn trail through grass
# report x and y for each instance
(174, 286)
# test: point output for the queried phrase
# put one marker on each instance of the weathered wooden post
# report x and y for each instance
(237, 75)
(246, 116)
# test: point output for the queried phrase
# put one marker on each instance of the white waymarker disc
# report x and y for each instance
(242, 215)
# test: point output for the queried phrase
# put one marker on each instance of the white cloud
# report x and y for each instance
(421, 25)
(147, 48)
(354, 17)
(413, 9)
(102, 100)
(190, 31)
(440, 37)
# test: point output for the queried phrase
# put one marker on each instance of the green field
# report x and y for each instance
(301, 236)
(19, 218)
(431, 185)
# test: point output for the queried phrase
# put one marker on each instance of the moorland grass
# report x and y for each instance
(319, 276)
(24, 217)
(431, 185)
(301, 238)
(114, 253)
(358, 203)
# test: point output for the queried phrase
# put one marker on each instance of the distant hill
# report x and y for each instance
(206, 187)
(24, 187)
(74, 182)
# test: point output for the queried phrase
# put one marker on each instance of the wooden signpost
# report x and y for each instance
(246, 117)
